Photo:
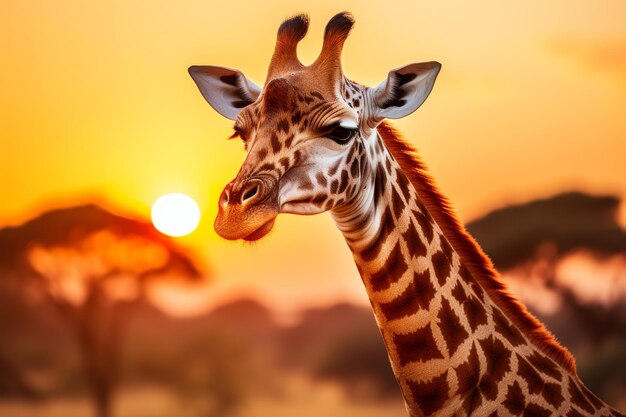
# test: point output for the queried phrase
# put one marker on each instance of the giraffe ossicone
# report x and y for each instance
(316, 141)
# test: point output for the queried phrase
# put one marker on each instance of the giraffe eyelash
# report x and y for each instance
(340, 134)
(238, 133)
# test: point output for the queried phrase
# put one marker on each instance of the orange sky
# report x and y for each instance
(96, 101)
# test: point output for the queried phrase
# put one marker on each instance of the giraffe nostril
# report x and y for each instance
(224, 197)
(251, 192)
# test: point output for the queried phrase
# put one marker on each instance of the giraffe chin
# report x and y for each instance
(246, 230)
(261, 232)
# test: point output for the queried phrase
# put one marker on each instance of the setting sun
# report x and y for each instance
(175, 214)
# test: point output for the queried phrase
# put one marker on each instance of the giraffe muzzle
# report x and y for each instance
(247, 208)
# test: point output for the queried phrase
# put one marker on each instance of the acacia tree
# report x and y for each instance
(532, 242)
(95, 267)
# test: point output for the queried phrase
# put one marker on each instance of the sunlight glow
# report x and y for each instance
(175, 214)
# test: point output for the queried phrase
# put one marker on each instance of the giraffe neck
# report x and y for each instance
(451, 347)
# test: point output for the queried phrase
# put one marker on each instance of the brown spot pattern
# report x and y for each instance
(305, 184)
(431, 395)
(406, 304)
(577, 396)
(552, 394)
(425, 225)
(445, 247)
(530, 375)
(416, 346)
(284, 162)
(459, 293)
(283, 125)
(467, 277)
(498, 357)
(296, 117)
(475, 313)
(451, 329)
(289, 140)
(396, 203)
(544, 365)
(514, 401)
(354, 168)
(334, 186)
(345, 180)
(266, 167)
(424, 288)
(468, 376)
(502, 326)
(535, 410)
(321, 179)
(403, 185)
(275, 142)
(415, 246)
(319, 199)
(391, 271)
(380, 181)
(591, 397)
(472, 401)
(488, 386)
(441, 265)
(417, 295)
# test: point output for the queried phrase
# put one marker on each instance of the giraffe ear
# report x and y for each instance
(227, 90)
(404, 90)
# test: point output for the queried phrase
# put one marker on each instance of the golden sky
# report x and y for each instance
(97, 103)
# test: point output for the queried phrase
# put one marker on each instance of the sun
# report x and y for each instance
(175, 214)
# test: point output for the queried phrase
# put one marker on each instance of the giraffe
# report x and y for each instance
(316, 141)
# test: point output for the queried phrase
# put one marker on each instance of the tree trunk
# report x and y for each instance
(103, 395)
(98, 350)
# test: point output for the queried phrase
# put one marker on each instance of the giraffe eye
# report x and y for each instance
(341, 135)
(239, 134)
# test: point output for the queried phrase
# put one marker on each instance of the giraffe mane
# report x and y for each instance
(473, 257)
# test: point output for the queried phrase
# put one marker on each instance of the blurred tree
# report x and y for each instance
(215, 361)
(570, 221)
(341, 343)
(94, 267)
(13, 382)
(359, 360)
(531, 241)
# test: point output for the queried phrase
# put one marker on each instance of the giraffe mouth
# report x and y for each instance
(247, 217)
(261, 232)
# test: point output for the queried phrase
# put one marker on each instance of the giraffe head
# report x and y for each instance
(307, 132)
